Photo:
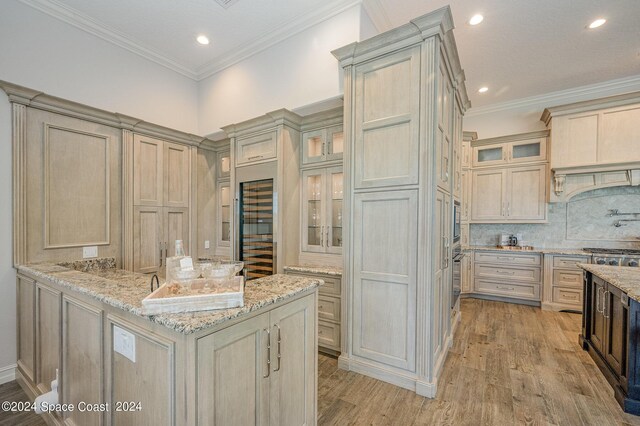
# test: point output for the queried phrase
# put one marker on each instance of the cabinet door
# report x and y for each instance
(616, 312)
(233, 374)
(26, 293)
(466, 154)
(224, 165)
(444, 132)
(526, 199)
(527, 151)
(334, 197)
(466, 286)
(177, 159)
(48, 320)
(313, 146)
(256, 148)
(466, 195)
(176, 222)
(293, 363)
(457, 154)
(314, 191)
(335, 141)
(597, 319)
(148, 171)
(224, 214)
(148, 239)
(488, 195)
(489, 155)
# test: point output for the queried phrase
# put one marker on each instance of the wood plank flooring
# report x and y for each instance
(509, 365)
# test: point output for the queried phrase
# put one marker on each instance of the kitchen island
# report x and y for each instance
(248, 365)
(611, 328)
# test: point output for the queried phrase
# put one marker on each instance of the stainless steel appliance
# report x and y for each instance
(456, 275)
(614, 257)
(256, 242)
(456, 221)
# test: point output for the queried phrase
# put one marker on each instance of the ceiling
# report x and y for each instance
(523, 48)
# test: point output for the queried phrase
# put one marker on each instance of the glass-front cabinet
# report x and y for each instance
(322, 195)
(322, 145)
(224, 164)
(522, 151)
(224, 214)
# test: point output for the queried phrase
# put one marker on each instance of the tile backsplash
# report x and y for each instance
(581, 222)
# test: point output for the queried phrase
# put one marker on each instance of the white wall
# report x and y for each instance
(45, 54)
(293, 73)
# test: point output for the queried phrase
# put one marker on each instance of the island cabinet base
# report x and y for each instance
(256, 368)
(611, 336)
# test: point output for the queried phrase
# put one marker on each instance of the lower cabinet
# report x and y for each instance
(260, 371)
(562, 282)
(507, 275)
(610, 330)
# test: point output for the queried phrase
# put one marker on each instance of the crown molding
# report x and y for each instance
(89, 25)
(378, 15)
(576, 94)
(277, 35)
(511, 138)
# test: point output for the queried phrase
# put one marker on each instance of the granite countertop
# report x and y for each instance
(312, 269)
(125, 290)
(625, 278)
(567, 251)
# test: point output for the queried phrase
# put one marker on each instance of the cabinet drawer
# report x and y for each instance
(331, 286)
(329, 335)
(568, 262)
(256, 148)
(508, 273)
(521, 291)
(563, 278)
(530, 259)
(329, 308)
(568, 296)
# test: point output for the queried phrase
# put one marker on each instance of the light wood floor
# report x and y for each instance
(509, 365)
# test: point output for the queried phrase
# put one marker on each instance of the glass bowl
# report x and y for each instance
(220, 270)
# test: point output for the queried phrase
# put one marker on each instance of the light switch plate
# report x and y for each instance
(206, 244)
(89, 252)
(124, 343)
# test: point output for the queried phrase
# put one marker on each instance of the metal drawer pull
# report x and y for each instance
(255, 157)
(504, 272)
(598, 298)
(605, 304)
(505, 288)
(268, 353)
(279, 340)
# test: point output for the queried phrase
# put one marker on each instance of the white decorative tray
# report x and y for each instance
(200, 295)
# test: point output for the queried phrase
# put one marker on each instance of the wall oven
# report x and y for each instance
(456, 275)
(456, 221)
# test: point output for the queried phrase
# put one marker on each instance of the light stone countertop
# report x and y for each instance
(312, 269)
(125, 290)
(566, 251)
(625, 278)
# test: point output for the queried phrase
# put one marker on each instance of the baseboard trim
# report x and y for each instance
(494, 298)
(32, 392)
(557, 307)
(427, 389)
(8, 373)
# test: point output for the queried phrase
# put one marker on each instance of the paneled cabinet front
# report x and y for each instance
(515, 194)
(322, 195)
(522, 151)
(256, 148)
(260, 371)
(322, 145)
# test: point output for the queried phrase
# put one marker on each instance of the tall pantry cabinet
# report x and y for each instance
(400, 90)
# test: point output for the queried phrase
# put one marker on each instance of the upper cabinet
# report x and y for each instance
(161, 173)
(224, 165)
(495, 151)
(256, 148)
(322, 195)
(322, 145)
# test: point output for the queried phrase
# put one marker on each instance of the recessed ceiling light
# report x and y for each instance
(597, 23)
(476, 19)
(483, 89)
(202, 39)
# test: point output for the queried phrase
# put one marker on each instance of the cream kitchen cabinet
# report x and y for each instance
(520, 151)
(465, 203)
(264, 368)
(563, 282)
(444, 132)
(322, 145)
(506, 274)
(322, 196)
(225, 214)
(256, 148)
(514, 194)
(224, 165)
(466, 284)
(155, 230)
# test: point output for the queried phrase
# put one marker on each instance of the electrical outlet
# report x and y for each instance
(89, 252)
(124, 343)
(206, 244)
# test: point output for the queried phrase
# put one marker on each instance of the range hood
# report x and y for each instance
(594, 144)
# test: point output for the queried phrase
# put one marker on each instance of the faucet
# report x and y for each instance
(157, 280)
